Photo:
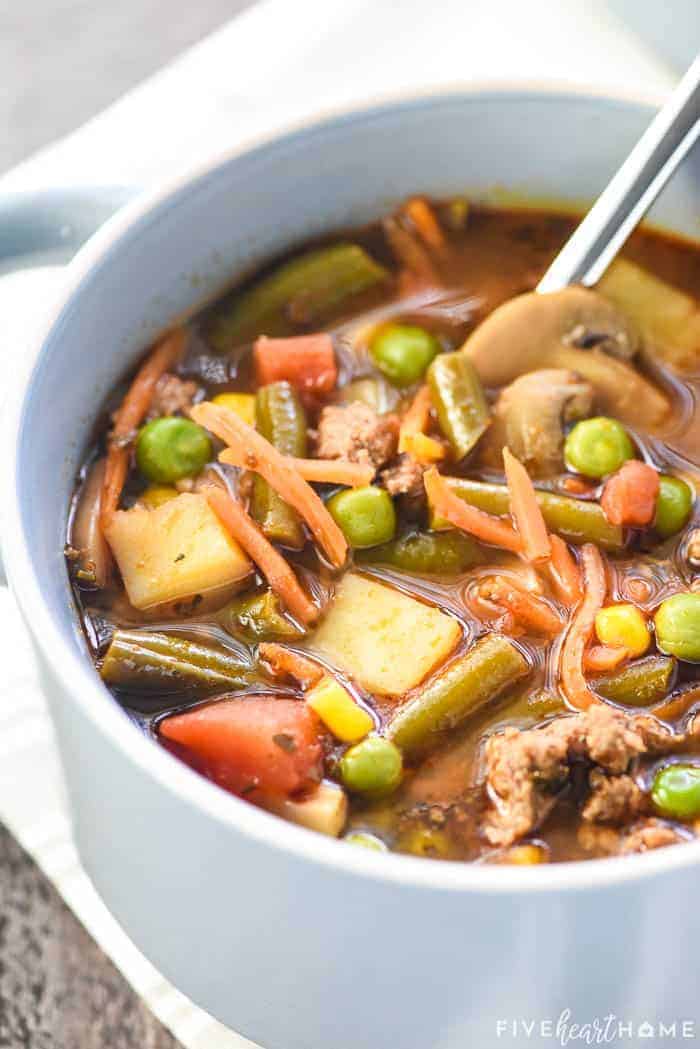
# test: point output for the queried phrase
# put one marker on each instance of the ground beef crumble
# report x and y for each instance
(524, 770)
(356, 432)
(404, 477)
(172, 396)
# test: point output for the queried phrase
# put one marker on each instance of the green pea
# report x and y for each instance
(372, 767)
(170, 448)
(403, 352)
(366, 515)
(367, 841)
(677, 623)
(676, 791)
(599, 446)
(673, 505)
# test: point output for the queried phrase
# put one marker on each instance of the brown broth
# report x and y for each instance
(499, 254)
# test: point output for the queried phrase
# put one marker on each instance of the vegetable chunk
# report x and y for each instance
(174, 552)
(386, 640)
(264, 744)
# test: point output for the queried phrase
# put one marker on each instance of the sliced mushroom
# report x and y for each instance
(530, 415)
(547, 330)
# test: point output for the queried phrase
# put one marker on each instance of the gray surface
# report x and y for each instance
(57, 989)
(62, 61)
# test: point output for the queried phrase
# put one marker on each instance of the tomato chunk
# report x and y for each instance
(305, 361)
(629, 497)
(259, 745)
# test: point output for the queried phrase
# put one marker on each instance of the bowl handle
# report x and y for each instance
(46, 228)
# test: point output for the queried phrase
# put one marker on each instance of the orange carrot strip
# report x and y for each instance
(129, 416)
(602, 658)
(528, 609)
(416, 418)
(410, 254)
(284, 661)
(484, 526)
(629, 497)
(526, 510)
(423, 218)
(564, 572)
(572, 678)
(271, 563)
(264, 459)
(322, 471)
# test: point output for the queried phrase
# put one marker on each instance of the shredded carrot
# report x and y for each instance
(629, 496)
(563, 572)
(677, 706)
(484, 526)
(423, 218)
(576, 486)
(572, 678)
(410, 253)
(259, 455)
(415, 419)
(271, 563)
(322, 471)
(129, 416)
(526, 510)
(286, 662)
(602, 658)
(526, 608)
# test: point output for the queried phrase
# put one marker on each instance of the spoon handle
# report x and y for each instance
(632, 190)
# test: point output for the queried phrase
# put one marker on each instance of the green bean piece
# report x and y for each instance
(279, 417)
(257, 618)
(641, 684)
(307, 289)
(459, 401)
(490, 666)
(375, 393)
(575, 520)
(154, 662)
(428, 553)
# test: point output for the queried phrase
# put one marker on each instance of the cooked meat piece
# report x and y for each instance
(404, 477)
(651, 834)
(172, 396)
(530, 415)
(598, 839)
(355, 432)
(520, 763)
(613, 799)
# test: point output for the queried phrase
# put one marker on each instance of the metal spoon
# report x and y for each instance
(630, 193)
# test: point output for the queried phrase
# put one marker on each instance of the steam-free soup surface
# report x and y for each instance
(390, 546)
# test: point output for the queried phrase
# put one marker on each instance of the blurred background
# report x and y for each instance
(62, 61)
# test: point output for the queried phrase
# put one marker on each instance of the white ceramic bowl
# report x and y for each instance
(296, 940)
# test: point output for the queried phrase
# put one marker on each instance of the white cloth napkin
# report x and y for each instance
(277, 62)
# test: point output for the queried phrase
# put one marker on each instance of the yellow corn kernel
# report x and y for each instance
(525, 855)
(623, 626)
(424, 841)
(338, 710)
(243, 404)
(423, 448)
(157, 494)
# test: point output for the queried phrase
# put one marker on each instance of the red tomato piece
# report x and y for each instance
(260, 744)
(629, 497)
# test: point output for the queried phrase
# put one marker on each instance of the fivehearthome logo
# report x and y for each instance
(563, 1030)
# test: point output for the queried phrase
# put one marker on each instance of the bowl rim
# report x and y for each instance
(77, 675)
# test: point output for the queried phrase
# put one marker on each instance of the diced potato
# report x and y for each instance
(325, 811)
(667, 317)
(384, 639)
(175, 551)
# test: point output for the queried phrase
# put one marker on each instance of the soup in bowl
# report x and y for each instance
(392, 632)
